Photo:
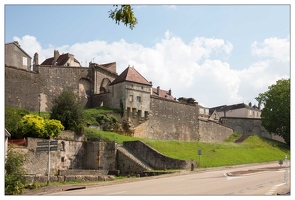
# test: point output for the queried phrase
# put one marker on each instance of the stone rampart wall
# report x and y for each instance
(70, 155)
(22, 88)
(213, 132)
(154, 158)
(248, 126)
(170, 120)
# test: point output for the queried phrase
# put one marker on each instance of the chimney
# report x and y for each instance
(16, 42)
(250, 104)
(169, 92)
(259, 105)
(36, 59)
(56, 55)
(158, 90)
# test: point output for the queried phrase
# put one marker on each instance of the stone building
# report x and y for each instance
(63, 60)
(149, 112)
(238, 110)
(15, 56)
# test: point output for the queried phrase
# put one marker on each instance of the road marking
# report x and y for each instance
(274, 188)
(116, 193)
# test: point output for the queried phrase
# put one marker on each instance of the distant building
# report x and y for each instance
(157, 92)
(238, 110)
(15, 56)
(62, 60)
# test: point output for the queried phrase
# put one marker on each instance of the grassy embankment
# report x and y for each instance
(253, 150)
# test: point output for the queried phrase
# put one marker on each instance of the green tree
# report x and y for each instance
(36, 126)
(68, 109)
(275, 114)
(123, 14)
(14, 173)
(13, 117)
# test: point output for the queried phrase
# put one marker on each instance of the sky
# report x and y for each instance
(218, 54)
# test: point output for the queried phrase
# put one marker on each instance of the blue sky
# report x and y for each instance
(217, 54)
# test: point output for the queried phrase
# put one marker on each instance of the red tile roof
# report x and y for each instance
(162, 93)
(131, 75)
(61, 60)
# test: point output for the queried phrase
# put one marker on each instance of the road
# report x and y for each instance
(213, 182)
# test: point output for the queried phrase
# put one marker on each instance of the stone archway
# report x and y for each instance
(104, 86)
(256, 130)
(85, 90)
(238, 128)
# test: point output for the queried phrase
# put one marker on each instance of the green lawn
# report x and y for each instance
(253, 150)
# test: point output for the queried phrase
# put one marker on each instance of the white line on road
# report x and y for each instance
(116, 193)
(274, 188)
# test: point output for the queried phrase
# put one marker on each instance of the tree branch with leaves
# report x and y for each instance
(124, 14)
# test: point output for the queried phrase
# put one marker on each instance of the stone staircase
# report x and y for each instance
(133, 157)
(242, 138)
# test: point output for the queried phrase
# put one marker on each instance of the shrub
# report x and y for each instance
(13, 117)
(36, 126)
(68, 109)
(14, 173)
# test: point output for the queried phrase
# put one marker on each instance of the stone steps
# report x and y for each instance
(133, 157)
(242, 138)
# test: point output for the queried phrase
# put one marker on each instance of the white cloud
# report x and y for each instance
(196, 69)
(170, 7)
(274, 48)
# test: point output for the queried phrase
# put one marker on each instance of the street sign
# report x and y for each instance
(52, 148)
(47, 143)
(199, 152)
(46, 146)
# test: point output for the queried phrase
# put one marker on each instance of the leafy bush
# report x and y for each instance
(36, 126)
(68, 109)
(13, 117)
(14, 173)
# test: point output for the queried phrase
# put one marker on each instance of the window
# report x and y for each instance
(131, 98)
(25, 61)
(138, 99)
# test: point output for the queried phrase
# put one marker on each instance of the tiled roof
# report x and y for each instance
(130, 74)
(61, 61)
(233, 107)
(163, 94)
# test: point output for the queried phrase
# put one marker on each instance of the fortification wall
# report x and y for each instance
(104, 99)
(55, 79)
(170, 120)
(22, 88)
(248, 126)
(155, 158)
(213, 132)
(70, 155)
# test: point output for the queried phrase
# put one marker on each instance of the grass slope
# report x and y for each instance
(254, 149)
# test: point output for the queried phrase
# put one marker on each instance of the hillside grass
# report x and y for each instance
(254, 149)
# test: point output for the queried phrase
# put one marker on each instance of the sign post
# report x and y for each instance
(47, 146)
(199, 153)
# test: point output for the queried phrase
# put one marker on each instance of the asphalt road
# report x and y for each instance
(222, 181)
